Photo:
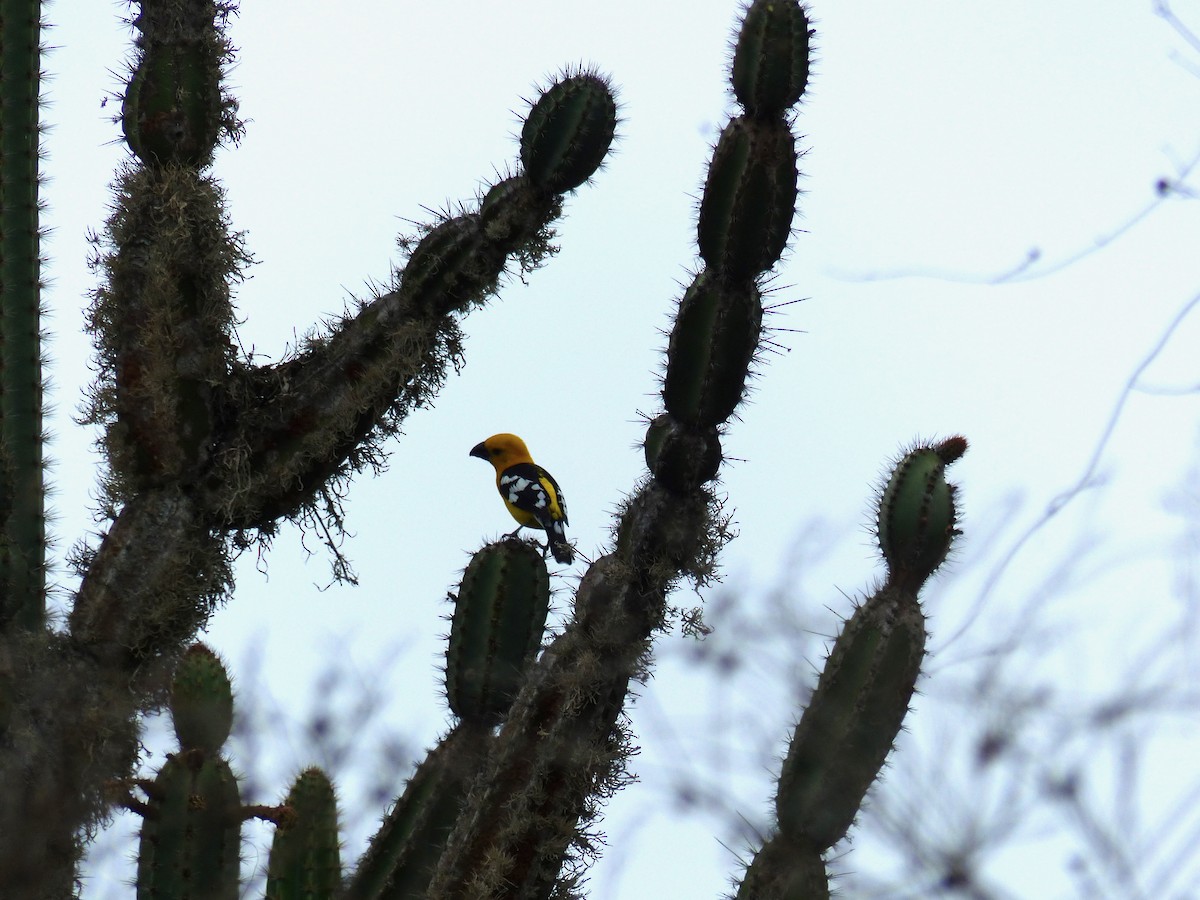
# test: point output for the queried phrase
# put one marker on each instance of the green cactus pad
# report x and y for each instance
(201, 701)
(852, 720)
(770, 59)
(305, 861)
(568, 132)
(917, 515)
(191, 831)
(708, 358)
(681, 458)
(749, 199)
(499, 618)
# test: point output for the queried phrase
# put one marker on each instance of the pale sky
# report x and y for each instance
(944, 143)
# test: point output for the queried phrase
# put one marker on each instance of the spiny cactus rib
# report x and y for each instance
(400, 861)
(499, 619)
(716, 332)
(568, 132)
(201, 701)
(852, 720)
(453, 265)
(191, 831)
(305, 861)
(770, 60)
(22, 515)
(173, 111)
(785, 869)
(680, 458)
(917, 515)
(155, 579)
(749, 199)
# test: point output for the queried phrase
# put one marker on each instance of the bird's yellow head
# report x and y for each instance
(502, 451)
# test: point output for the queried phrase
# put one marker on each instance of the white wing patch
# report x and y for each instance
(524, 493)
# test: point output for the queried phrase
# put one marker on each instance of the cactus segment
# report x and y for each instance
(452, 266)
(163, 323)
(852, 720)
(191, 831)
(681, 458)
(770, 59)
(201, 701)
(511, 211)
(568, 132)
(917, 515)
(401, 858)
(713, 340)
(785, 869)
(22, 468)
(749, 199)
(305, 861)
(174, 111)
(499, 618)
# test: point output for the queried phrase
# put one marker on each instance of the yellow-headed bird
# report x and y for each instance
(531, 494)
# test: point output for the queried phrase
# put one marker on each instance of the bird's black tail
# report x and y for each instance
(562, 551)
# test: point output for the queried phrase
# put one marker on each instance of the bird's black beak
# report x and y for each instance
(479, 450)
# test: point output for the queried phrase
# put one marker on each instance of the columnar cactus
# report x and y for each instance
(22, 518)
(208, 451)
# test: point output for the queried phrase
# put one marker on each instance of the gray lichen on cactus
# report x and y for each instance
(175, 109)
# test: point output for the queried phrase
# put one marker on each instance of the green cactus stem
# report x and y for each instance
(785, 869)
(852, 720)
(917, 515)
(22, 513)
(716, 332)
(770, 59)
(305, 861)
(191, 830)
(174, 111)
(568, 132)
(749, 199)
(400, 861)
(201, 701)
(681, 458)
(499, 619)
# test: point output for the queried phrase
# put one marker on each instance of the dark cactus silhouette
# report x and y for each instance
(207, 452)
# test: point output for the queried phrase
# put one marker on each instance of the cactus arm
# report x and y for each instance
(22, 516)
(320, 415)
